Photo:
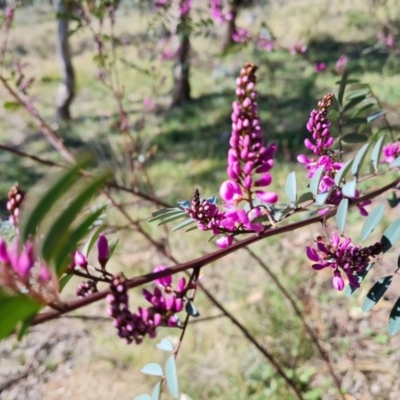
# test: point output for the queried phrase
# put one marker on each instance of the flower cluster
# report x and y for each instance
(165, 303)
(342, 257)
(15, 199)
(390, 152)
(266, 44)
(249, 161)
(240, 35)
(319, 126)
(86, 288)
(217, 12)
(22, 271)
(248, 155)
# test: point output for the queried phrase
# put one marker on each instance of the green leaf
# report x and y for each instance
(341, 174)
(316, 179)
(395, 163)
(152, 369)
(341, 214)
(172, 212)
(357, 93)
(38, 207)
(156, 393)
(359, 159)
(183, 224)
(372, 221)
(69, 241)
(360, 277)
(165, 345)
(349, 188)
(173, 218)
(291, 187)
(172, 377)
(67, 216)
(362, 110)
(376, 292)
(394, 319)
(90, 243)
(376, 152)
(391, 235)
(191, 309)
(143, 397)
(11, 105)
(355, 138)
(305, 197)
(64, 280)
(355, 121)
(342, 87)
(353, 102)
(112, 245)
(374, 116)
(393, 200)
(13, 310)
(321, 198)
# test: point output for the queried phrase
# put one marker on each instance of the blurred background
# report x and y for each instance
(181, 135)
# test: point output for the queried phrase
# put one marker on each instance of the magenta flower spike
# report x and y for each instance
(102, 248)
(390, 152)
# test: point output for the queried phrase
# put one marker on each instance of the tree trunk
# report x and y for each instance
(235, 5)
(66, 90)
(181, 67)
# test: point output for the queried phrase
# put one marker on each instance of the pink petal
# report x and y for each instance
(312, 254)
(267, 197)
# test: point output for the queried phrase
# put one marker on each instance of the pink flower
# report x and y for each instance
(224, 242)
(390, 40)
(298, 48)
(267, 44)
(390, 152)
(267, 197)
(341, 63)
(164, 282)
(337, 281)
(148, 103)
(102, 248)
(230, 192)
(80, 260)
(240, 35)
(319, 67)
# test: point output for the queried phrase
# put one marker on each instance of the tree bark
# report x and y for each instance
(66, 90)
(181, 67)
(232, 22)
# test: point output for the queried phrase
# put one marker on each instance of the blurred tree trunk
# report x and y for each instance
(66, 90)
(181, 67)
(235, 5)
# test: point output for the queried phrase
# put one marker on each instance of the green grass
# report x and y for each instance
(188, 149)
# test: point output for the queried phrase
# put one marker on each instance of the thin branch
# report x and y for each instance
(298, 312)
(209, 258)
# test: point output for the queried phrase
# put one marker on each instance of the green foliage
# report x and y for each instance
(291, 187)
(14, 309)
(342, 214)
(394, 319)
(376, 292)
(316, 179)
(152, 369)
(391, 235)
(171, 376)
(372, 221)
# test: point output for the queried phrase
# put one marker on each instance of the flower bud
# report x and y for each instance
(337, 281)
(80, 259)
(102, 247)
